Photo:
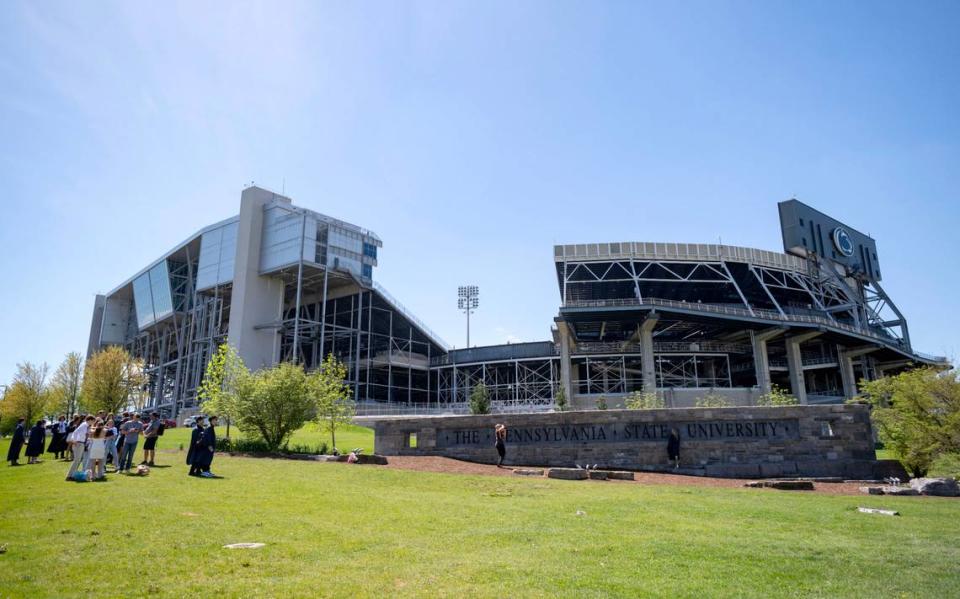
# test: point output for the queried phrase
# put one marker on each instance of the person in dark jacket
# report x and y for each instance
(500, 435)
(193, 453)
(16, 443)
(58, 437)
(208, 444)
(673, 448)
(38, 436)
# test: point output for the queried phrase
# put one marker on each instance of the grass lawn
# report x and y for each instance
(348, 437)
(339, 530)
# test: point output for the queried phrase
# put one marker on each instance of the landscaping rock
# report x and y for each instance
(872, 490)
(244, 546)
(528, 471)
(870, 510)
(783, 485)
(900, 491)
(567, 473)
(598, 475)
(940, 487)
(620, 475)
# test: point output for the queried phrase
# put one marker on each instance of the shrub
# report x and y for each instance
(560, 400)
(713, 400)
(479, 400)
(777, 397)
(639, 400)
(602, 403)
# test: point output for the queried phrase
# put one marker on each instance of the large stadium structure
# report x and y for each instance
(280, 282)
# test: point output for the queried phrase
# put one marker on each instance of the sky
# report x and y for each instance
(471, 137)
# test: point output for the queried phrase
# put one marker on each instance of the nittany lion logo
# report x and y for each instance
(842, 241)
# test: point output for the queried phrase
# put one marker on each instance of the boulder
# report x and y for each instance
(941, 487)
(899, 491)
(567, 473)
(598, 475)
(528, 471)
(620, 475)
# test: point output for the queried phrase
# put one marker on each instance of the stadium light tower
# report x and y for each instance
(468, 299)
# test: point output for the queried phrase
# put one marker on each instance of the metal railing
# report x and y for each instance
(410, 315)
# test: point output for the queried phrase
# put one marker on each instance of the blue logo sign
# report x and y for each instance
(842, 241)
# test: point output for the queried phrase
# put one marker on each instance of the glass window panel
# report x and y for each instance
(142, 300)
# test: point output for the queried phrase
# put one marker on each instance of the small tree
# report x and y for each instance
(273, 403)
(112, 380)
(479, 400)
(225, 377)
(560, 399)
(644, 400)
(713, 400)
(917, 415)
(602, 402)
(331, 394)
(777, 397)
(65, 385)
(28, 397)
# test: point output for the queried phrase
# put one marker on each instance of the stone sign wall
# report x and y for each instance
(730, 442)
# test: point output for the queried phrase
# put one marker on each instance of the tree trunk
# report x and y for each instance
(333, 437)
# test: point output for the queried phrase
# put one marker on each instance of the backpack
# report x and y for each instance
(160, 430)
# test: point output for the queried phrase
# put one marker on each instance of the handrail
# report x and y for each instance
(410, 315)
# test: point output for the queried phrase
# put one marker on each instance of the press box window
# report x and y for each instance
(369, 250)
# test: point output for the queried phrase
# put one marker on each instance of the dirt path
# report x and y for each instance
(451, 466)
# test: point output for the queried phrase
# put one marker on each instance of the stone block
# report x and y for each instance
(528, 471)
(598, 475)
(567, 473)
(872, 490)
(789, 485)
(900, 491)
(620, 475)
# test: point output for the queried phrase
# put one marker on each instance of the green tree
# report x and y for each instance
(273, 403)
(712, 400)
(917, 414)
(332, 396)
(65, 385)
(560, 399)
(113, 380)
(28, 397)
(602, 402)
(479, 400)
(777, 397)
(225, 377)
(644, 400)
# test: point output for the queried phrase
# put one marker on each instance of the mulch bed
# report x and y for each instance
(451, 466)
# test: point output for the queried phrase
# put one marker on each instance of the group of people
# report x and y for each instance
(203, 444)
(90, 441)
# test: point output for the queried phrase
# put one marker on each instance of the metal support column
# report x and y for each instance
(798, 385)
(646, 353)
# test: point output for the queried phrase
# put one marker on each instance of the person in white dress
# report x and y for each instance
(98, 450)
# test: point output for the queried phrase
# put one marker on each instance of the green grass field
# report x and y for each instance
(348, 437)
(339, 530)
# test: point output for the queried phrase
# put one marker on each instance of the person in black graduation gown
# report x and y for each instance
(38, 434)
(16, 443)
(193, 453)
(673, 448)
(208, 444)
(58, 437)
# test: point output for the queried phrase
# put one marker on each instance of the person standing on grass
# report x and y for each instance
(58, 437)
(500, 432)
(78, 444)
(98, 450)
(74, 423)
(16, 443)
(208, 445)
(35, 441)
(193, 453)
(131, 436)
(673, 448)
(111, 435)
(150, 433)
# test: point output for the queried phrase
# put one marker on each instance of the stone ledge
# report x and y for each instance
(567, 473)
(528, 471)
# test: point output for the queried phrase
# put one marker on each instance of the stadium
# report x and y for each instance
(283, 283)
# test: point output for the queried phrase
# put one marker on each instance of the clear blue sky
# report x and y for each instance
(471, 137)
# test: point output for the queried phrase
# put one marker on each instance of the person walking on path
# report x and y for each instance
(500, 432)
(78, 444)
(35, 441)
(208, 445)
(193, 453)
(16, 443)
(131, 436)
(98, 450)
(150, 433)
(58, 437)
(673, 448)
